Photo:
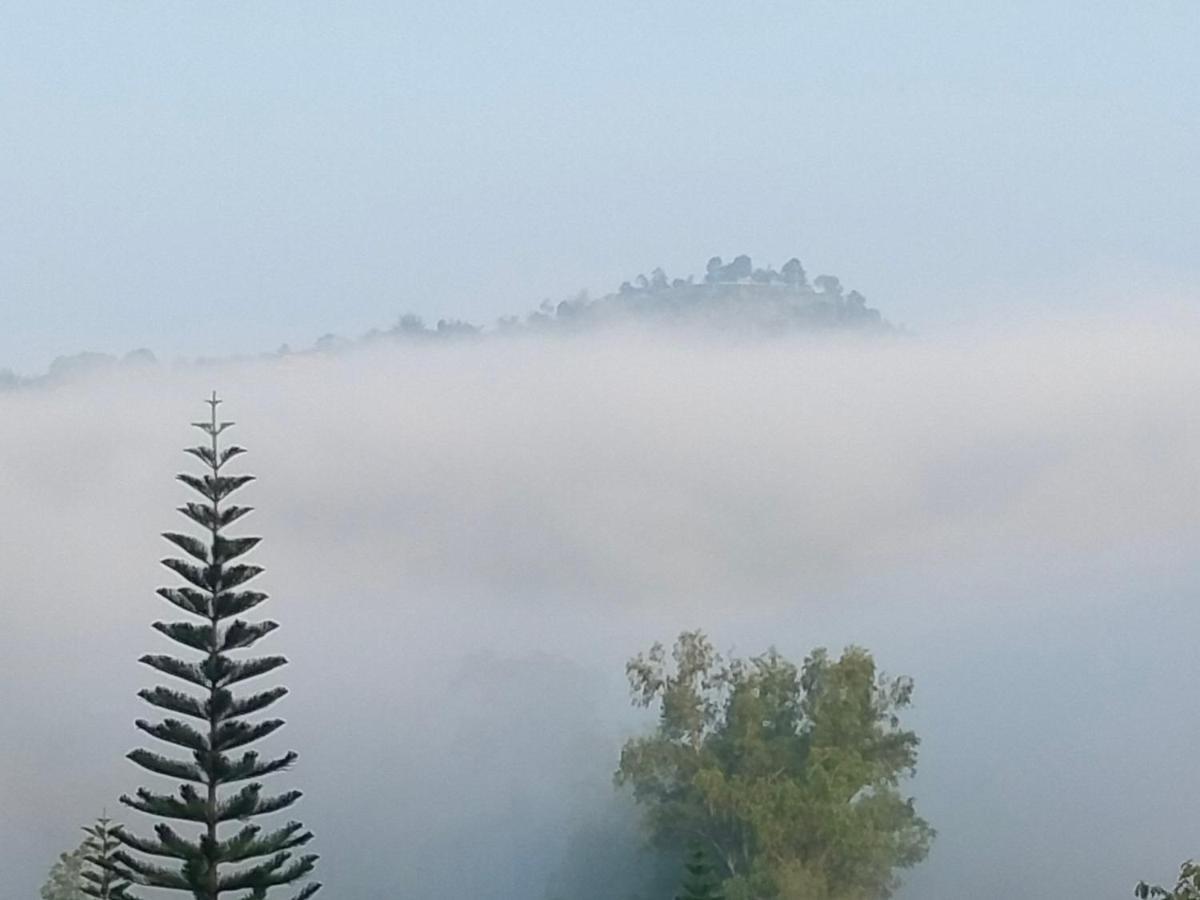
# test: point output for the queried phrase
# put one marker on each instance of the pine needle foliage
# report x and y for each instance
(701, 880)
(219, 787)
(98, 878)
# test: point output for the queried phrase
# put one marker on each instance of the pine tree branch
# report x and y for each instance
(235, 733)
(248, 766)
(190, 634)
(193, 547)
(215, 488)
(214, 460)
(234, 671)
(280, 869)
(204, 454)
(240, 635)
(200, 484)
(190, 807)
(110, 891)
(176, 668)
(188, 599)
(150, 875)
(232, 576)
(213, 428)
(206, 517)
(278, 802)
(232, 603)
(179, 846)
(175, 701)
(250, 842)
(228, 549)
(248, 802)
(174, 848)
(173, 731)
(171, 768)
(308, 891)
(256, 877)
(203, 577)
(255, 703)
(219, 707)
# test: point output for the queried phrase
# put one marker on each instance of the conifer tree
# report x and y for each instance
(219, 787)
(99, 880)
(700, 880)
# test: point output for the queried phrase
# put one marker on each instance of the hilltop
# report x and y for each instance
(733, 297)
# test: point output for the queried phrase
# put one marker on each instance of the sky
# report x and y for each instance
(213, 178)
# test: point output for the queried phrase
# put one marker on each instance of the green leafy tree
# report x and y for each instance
(789, 775)
(1186, 888)
(99, 879)
(65, 880)
(219, 788)
(701, 881)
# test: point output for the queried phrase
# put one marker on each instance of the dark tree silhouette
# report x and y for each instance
(740, 268)
(211, 865)
(793, 273)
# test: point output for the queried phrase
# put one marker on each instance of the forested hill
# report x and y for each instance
(733, 297)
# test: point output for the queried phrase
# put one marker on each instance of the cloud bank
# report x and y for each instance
(464, 541)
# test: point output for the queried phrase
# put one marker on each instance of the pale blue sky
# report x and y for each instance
(203, 178)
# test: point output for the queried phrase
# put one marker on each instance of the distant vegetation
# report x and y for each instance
(733, 297)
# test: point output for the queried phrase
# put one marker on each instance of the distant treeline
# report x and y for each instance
(733, 297)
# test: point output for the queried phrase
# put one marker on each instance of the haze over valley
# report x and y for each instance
(681, 451)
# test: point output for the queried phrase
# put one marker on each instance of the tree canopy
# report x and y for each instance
(789, 775)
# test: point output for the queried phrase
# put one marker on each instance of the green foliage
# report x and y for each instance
(1186, 888)
(212, 723)
(701, 881)
(65, 880)
(789, 775)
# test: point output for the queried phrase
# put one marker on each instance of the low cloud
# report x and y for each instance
(464, 541)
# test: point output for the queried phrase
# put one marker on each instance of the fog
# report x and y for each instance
(465, 541)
